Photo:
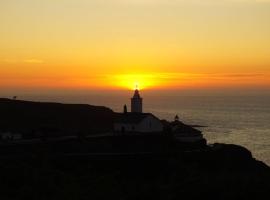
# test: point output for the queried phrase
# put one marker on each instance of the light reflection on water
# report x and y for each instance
(239, 120)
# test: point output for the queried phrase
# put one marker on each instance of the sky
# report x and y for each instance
(118, 44)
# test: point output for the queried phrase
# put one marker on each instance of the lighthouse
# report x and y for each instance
(136, 102)
(136, 121)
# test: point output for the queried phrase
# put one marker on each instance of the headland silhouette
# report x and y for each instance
(73, 151)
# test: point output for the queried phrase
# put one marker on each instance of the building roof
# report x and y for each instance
(132, 118)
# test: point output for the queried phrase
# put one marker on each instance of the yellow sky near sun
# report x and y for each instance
(120, 43)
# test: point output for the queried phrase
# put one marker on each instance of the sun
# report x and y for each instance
(135, 81)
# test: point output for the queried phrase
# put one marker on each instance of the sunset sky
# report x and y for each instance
(114, 44)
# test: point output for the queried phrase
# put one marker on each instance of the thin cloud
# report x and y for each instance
(9, 61)
(30, 61)
(34, 61)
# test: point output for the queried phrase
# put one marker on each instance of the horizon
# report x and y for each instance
(224, 92)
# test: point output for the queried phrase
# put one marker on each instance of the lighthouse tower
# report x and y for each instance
(136, 102)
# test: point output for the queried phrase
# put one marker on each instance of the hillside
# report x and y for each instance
(54, 118)
(72, 170)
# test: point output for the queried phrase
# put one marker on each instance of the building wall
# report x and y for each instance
(127, 127)
(147, 125)
(150, 124)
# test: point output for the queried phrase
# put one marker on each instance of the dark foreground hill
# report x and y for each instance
(74, 170)
(53, 118)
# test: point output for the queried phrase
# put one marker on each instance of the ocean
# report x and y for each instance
(232, 119)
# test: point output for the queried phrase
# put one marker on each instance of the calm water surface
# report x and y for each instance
(242, 120)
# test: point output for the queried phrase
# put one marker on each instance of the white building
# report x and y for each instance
(10, 136)
(136, 120)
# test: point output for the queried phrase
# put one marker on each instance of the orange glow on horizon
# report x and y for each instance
(144, 81)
